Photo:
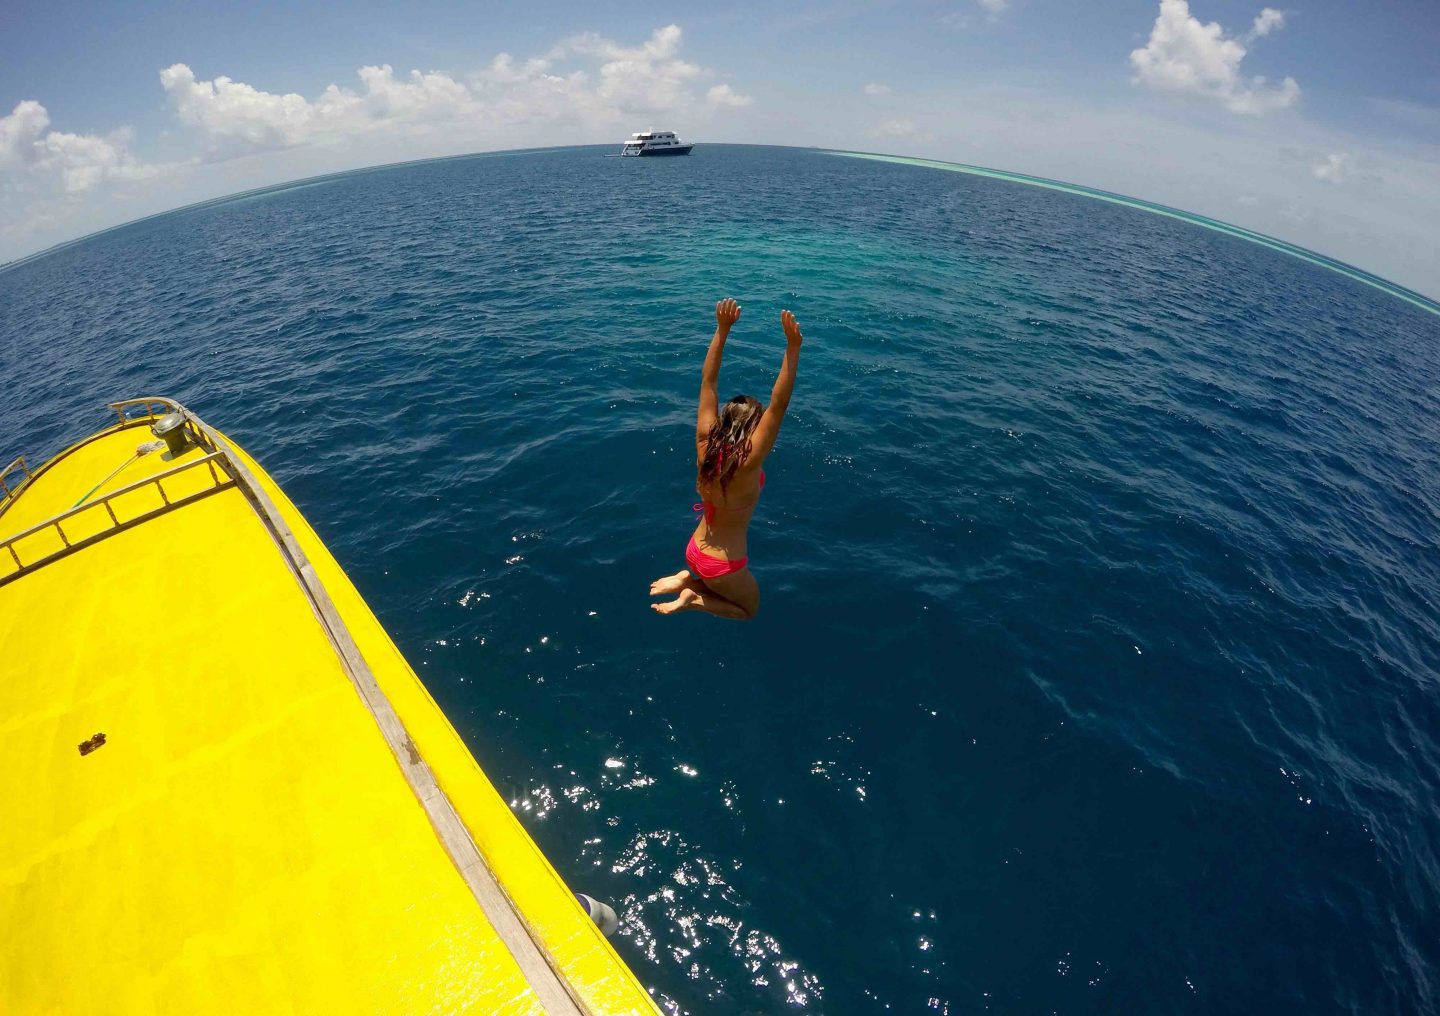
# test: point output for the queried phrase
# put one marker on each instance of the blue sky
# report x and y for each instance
(110, 112)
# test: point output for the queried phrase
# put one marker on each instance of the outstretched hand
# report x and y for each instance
(727, 312)
(792, 328)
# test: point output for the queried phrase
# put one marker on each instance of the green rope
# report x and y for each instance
(113, 473)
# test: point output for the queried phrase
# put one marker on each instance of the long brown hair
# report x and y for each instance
(727, 446)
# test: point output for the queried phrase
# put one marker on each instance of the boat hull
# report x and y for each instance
(250, 833)
(648, 152)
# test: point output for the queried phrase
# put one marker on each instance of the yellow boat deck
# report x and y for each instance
(246, 839)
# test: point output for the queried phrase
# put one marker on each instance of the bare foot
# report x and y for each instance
(670, 583)
(684, 601)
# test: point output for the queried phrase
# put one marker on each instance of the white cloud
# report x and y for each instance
(19, 133)
(1184, 55)
(238, 117)
(1332, 168)
(1267, 21)
(612, 82)
(45, 158)
(587, 88)
(959, 20)
(226, 108)
(504, 70)
(84, 161)
(417, 97)
(901, 128)
(876, 88)
(1385, 218)
(724, 95)
(646, 78)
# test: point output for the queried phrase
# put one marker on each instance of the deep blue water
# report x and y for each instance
(1096, 670)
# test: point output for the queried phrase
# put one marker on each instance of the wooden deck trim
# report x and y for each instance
(551, 987)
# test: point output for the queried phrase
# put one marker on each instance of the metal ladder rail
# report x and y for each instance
(10, 491)
(67, 546)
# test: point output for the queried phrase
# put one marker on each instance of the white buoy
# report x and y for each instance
(601, 913)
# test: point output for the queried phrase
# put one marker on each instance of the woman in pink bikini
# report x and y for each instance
(731, 443)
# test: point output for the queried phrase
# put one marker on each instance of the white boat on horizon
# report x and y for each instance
(653, 142)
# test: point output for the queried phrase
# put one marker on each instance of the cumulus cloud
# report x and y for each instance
(33, 154)
(1332, 168)
(248, 118)
(1184, 55)
(55, 184)
(587, 77)
(504, 70)
(84, 161)
(647, 78)
(876, 88)
(19, 133)
(1267, 21)
(994, 8)
(724, 95)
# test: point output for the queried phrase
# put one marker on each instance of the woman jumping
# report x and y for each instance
(731, 443)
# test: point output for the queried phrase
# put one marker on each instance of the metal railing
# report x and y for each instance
(151, 409)
(129, 413)
(19, 464)
(147, 406)
(221, 477)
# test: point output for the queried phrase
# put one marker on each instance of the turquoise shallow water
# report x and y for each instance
(1096, 668)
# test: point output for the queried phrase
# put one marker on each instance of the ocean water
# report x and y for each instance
(1097, 663)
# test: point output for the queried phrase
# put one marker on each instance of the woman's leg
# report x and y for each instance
(714, 596)
(740, 588)
(671, 583)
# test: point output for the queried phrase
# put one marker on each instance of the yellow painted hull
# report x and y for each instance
(245, 840)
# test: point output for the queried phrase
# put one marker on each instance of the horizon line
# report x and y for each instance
(1314, 257)
(1354, 272)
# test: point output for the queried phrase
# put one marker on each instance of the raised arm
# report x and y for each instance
(727, 312)
(768, 429)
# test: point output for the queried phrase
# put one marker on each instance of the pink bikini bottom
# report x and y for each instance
(708, 566)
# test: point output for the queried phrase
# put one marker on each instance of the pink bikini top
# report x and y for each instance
(709, 508)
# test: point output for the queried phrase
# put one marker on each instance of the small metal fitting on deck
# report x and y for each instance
(170, 428)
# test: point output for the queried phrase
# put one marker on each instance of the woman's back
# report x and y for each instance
(728, 508)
